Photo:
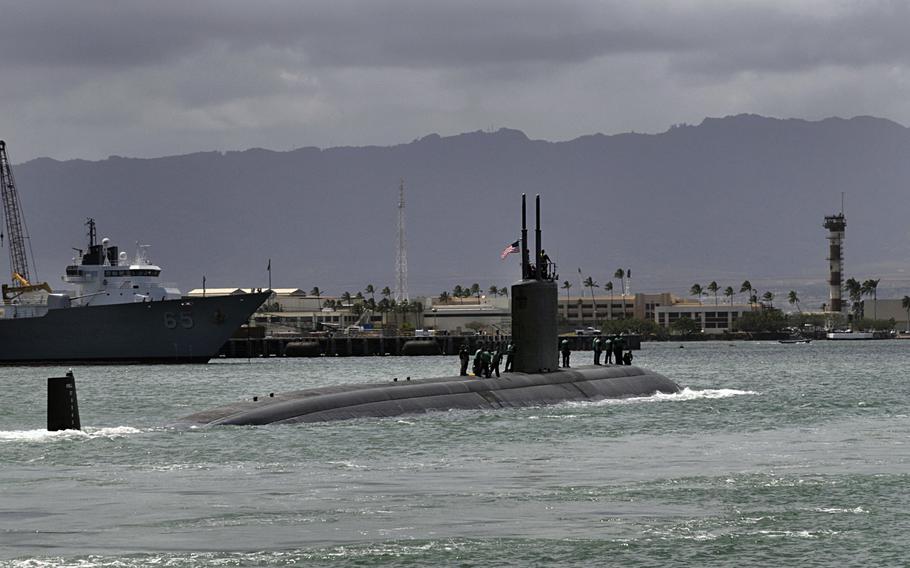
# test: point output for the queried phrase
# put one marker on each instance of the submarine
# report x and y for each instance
(535, 380)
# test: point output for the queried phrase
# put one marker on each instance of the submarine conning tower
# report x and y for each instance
(534, 306)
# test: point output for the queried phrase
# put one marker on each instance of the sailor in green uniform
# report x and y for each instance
(596, 345)
(477, 367)
(487, 359)
(566, 351)
(607, 345)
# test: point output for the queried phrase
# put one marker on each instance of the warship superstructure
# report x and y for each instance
(117, 312)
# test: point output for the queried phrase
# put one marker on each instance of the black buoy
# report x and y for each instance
(62, 406)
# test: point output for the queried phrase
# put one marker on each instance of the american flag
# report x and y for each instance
(509, 250)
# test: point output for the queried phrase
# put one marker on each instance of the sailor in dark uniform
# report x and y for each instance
(627, 358)
(510, 349)
(617, 350)
(497, 357)
(544, 264)
(566, 351)
(464, 357)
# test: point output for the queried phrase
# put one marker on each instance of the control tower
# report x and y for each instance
(836, 225)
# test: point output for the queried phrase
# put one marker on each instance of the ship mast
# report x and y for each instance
(16, 231)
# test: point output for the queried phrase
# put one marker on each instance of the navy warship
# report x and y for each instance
(118, 311)
(536, 378)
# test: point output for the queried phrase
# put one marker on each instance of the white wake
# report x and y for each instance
(86, 434)
(684, 395)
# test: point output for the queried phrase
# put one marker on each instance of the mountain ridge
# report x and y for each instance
(736, 197)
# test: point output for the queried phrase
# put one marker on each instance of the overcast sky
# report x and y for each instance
(92, 78)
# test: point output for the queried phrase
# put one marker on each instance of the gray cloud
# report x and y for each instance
(91, 78)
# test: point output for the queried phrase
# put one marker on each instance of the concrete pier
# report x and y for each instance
(380, 346)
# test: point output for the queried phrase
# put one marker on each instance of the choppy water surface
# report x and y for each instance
(794, 454)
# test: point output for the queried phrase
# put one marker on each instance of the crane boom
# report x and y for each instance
(16, 231)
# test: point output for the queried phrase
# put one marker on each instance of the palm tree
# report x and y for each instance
(591, 284)
(794, 299)
(475, 290)
(609, 288)
(768, 297)
(386, 292)
(854, 292)
(747, 288)
(315, 292)
(905, 302)
(444, 297)
(457, 291)
(494, 291)
(345, 298)
(713, 288)
(371, 291)
(697, 291)
(870, 288)
(565, 286)
(729, 293)
(504, 291)
(621, 274)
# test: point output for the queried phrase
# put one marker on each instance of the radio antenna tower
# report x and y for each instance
(401, 253)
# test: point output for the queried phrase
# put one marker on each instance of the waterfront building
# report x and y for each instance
(883, 309)
(488, 314)
(579, 311)
(291, 311)
(711, 319)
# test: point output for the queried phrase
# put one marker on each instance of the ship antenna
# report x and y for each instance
(92, 234)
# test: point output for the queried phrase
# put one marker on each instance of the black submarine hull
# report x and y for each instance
(399, 398)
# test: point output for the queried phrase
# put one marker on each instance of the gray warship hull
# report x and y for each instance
(186, 330)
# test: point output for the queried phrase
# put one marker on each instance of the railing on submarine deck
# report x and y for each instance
(548, 272)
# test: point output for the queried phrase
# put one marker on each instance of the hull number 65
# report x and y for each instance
(172, 320)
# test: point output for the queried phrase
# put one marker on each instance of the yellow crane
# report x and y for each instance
(17, 233)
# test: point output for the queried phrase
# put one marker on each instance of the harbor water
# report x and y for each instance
(788, 454)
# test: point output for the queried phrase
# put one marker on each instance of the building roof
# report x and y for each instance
(218, 291)
(296, 292)
(291, 292)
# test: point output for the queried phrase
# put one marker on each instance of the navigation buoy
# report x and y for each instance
(62, 405)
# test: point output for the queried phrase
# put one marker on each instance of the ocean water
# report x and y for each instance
(789, 454)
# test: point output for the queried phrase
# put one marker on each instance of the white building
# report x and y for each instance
(711, 319)
(885, 310)
(489, 313)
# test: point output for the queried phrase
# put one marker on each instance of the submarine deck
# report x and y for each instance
(342, 402)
